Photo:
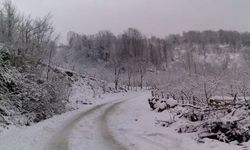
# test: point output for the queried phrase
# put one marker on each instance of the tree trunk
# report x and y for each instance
(50, 54)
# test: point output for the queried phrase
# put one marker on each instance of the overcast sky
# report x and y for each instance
(152, 17)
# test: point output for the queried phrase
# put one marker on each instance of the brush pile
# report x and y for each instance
(226, 122)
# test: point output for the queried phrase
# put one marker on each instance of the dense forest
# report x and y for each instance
(132, 44)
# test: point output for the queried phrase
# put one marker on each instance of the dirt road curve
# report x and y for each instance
(60, 139)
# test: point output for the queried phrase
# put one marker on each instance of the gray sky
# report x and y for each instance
(152, 17)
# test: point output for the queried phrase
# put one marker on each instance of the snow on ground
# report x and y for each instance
(88, 91)
(115, 122)
(84, 93)
(133, 124)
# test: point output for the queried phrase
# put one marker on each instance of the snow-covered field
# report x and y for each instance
(115, 122)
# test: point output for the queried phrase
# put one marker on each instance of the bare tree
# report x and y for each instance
(129, 74)
(116, 65)
(142, 69)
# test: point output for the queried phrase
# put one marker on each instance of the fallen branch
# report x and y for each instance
(189, 105)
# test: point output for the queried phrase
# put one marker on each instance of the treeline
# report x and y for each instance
(132, 44)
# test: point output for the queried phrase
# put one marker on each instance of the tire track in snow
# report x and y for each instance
(105, 130)
(60, 140)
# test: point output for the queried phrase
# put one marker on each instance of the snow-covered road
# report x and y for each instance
(60, 141)
(58, 132)
(122, 122)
